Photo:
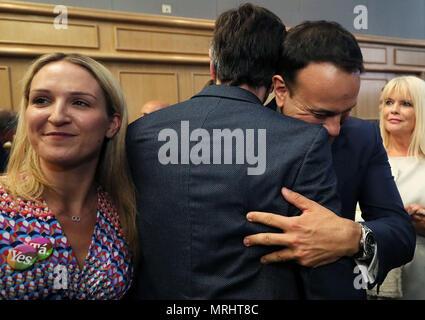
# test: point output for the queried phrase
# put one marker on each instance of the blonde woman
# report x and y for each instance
(402, 123)
(67, 202)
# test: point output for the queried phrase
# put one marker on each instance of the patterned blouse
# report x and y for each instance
(37, 261)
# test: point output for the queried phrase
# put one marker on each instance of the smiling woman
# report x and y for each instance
(67, 120)
(68, 209)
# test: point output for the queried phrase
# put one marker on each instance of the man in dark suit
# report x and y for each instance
(318, 82)
(200, 165)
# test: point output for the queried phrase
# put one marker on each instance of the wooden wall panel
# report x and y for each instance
(141, 87)
(409, 57)
(374, 54)
(17, 69)
(368, 99)
(27, 29)
(156, 40)
(199, 80)
(43, 32)
(5, 88)
(153, 57)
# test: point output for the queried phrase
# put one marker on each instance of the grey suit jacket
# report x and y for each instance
(193, 199)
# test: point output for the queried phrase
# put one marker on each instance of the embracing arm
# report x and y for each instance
(325, 236)
(317, 236)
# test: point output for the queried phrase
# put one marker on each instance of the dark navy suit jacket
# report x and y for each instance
(364, 176)
(192, 216)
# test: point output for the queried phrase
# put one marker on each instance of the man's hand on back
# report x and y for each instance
(316, 237)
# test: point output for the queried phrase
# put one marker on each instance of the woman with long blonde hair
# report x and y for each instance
(68, 210)
(402, 123)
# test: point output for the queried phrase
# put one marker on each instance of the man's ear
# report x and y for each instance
(280, 90)
(212, 71)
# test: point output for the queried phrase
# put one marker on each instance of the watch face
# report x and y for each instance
(369, 244)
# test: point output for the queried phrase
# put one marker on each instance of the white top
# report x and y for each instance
(409, 175)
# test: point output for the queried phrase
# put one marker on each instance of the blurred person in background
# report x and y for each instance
(152, 106)
(8, 123)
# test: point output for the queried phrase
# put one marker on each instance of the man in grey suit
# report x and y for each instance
(200, 165)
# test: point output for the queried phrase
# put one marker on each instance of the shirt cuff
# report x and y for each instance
(369, 270)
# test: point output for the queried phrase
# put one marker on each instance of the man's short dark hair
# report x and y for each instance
(318, 41)
(246, 46)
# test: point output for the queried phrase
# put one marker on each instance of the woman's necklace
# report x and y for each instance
(87, 212)
(75, 218)
(79, 218)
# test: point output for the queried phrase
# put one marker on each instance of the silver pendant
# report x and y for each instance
(75, 219)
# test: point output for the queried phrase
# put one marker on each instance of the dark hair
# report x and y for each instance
(246, 46)
(8, 124)
(318, 41)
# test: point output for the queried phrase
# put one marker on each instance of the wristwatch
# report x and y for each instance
(367, 245)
